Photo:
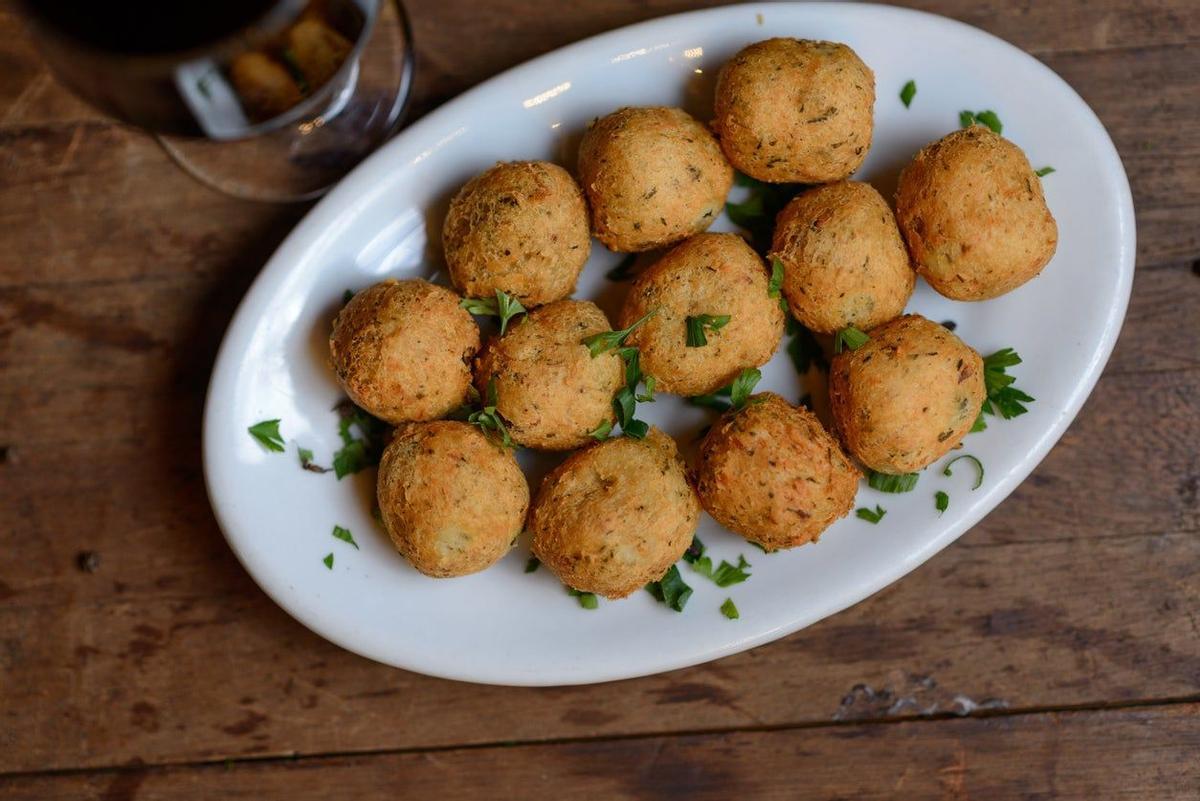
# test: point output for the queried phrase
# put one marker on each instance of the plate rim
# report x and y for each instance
(340, 201)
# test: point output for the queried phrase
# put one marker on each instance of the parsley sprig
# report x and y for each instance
(627, 398)
(1002, 398)
(989, 118)
(775, 285)
(362, 440)
(607, 340)
(267, 434)
(504, 306)
(723, 575)
(757, 213)
(489, 419)
(699, 324)
(849, 338)
(671, 589)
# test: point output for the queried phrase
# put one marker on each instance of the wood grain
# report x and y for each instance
(1089, 756)
(117, 278)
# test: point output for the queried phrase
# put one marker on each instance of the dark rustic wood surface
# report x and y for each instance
(1054, 651)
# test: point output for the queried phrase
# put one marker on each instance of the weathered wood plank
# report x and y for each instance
(1086, 755)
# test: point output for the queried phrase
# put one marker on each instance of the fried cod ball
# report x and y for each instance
(402, 350)
(795, 111)
(520, 227)
(907, 396)
(615, 515)
(844, 262)
(771, 473)
(709, 274)
(974, 216)
(549, 388)
(452, 500)
(653, 176)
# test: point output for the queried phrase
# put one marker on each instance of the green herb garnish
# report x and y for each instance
(908, 92)
(586, 599)
(624, 270)
(978, 468)
(886, 482)
(347, 296)
(1044, 171)
(504, 306)
(849, 338)
(941, 501)
(344, 535)
(607, 340)
(306, 461)
(775, 285)
(1002, 397)
(713, 400)
(729, 610)
(725, 574)
(671, 589)
(489, 419)
(601, 431)
(697, 326)
(532, 564)
(989, 118)
(267, 434)
(328, 560)
(357, 452)
(625, 401)
(694, 551)
(743, 385)
(757, 213)
(804, 349)
(871, 516)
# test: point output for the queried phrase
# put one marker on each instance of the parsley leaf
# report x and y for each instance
(978, 467)
(804, 349)
(504, 306)
(586, 599)
(941, 501)
(671, 589)
(607, 340)
(743, 385)
(863, 513)
(328, 560)
(625, 401)
(908, 92)
(712, 400)
(267, 434)
(357, 452)
(624, 270)
(532, 564)
(989, 118)
(1002, 397)
(698, 324)
(306, 461)
(729, 610)
(775, 285)
(601, 431)
(724, 574)
(886, 482)
(1044, 171)
(757, 213)
(489, 419)
(694, 551)
(849, 337)
(344, 535)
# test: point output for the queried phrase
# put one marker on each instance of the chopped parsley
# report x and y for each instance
(1002, 397)
(908, 92)
(490, 420)
(698, 325)
(729, 610)
(886, 482)
(989, 118)
(671, 589)
(849, 338)
(601, 431)
(532, 564)
(757, 213)
(724, 574)
(625, 401)
(306, 461)
(1044, 171)
(694, 551)
(344, 535)
(586, 599)
(607, 340)
(357, 452)
(775, 285)
(713, 400)
(267, 434)
(804, 349)
(743, 385)
(504, 306)
(624, 270)
(871, 516)
(941, 501)
(978, 468)
(328, 560)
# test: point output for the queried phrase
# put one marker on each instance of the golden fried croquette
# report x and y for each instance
(771, 473)
(316, 50)
(973, 214)
(452, 500)
(907, 396)
(615, 515)
(263, 85)
(795, 110)
(653, 176)
(520, 227)
(709, 274)
(402, 350)
(844, 262)
(549, 388)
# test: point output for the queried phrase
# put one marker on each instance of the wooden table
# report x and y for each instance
(1053, 652)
